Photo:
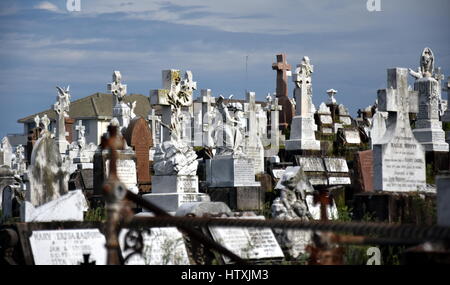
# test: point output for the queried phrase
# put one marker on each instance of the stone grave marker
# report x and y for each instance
(337, 171)
(428, 128)
(138, 136)
(248, 243)
(399, 160)
(67, 247)
(162, 246)
(48, 175)
(303, 125)
(364, 170)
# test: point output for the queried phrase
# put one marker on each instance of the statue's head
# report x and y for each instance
(427, 61)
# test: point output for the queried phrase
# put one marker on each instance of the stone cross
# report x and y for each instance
(283, 71)
(331, 93)
(274, 131)
(80, 133)
(37, 121)
(303, 91)
(207, 101)
(282, 68)
(154, 119)
(62, 108)
(177, 93)
(45, 122)
(399, 160)
(118, 89)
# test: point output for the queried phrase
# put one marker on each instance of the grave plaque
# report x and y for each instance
(67, 247)
(162, 246)
(352, 137)
(126, 171)
(336, 165)
(399, 160)
(248, 243)
(310, 163)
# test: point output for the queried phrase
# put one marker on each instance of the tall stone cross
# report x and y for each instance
(207, 101)
(61, 107)
(177, 93)
(116, 88)
(80, 134)
(283, 71)
(303, 90)
(399, 159)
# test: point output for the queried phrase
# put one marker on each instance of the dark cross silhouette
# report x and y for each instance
(86, 260)
(282, 67)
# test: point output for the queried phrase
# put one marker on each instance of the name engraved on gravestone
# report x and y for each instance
(67, 247)
(402, 167)
(126, 171)
(243, 171)
(336, 164)
(187, 184)
(162, 246)
(248, 243)
(187, 198)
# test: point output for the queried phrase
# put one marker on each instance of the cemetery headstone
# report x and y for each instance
(283, 72)
(399, 160)
(61, 108)
(428, 128)
(139, 137)
(303, 126)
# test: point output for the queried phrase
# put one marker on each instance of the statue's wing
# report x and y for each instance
(60, 90)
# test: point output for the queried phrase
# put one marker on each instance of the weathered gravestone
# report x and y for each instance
(248, 243)
(6, 178)
(47, 173)
(399, 160)
(161, 246)
(364, 170)
(428, 128)
(138, 136)
(303, 126)
(67, 247)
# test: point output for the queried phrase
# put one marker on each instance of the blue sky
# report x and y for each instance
(44, 45)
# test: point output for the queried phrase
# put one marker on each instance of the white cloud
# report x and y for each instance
(45, 5)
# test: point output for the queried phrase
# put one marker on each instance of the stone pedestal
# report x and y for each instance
(428, 129)
(232, 180)
(229, 171)
(303, 134)
(170, 192)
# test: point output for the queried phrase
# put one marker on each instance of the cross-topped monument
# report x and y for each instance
(303, 126)
(283, 72)
(273, 107)
(61, 108)
(80, 134)
(399, 160)
(176, 93)
(154, 119)
(121, 111)
(116, 88)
